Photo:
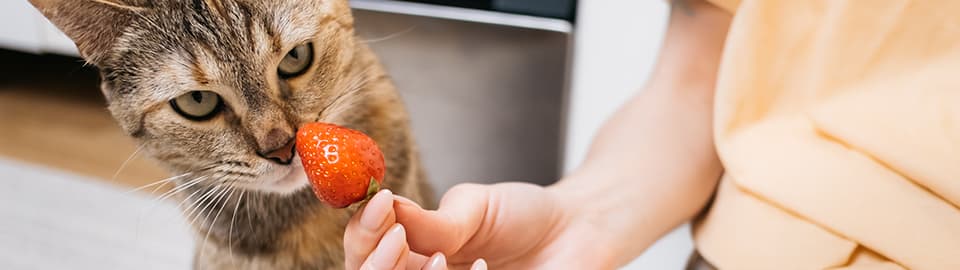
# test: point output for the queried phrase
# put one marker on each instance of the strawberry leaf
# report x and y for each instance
(372, 188)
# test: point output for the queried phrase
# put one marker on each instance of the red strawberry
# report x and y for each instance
(344, 165)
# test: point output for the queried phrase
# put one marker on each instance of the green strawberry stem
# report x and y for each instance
(373, 188)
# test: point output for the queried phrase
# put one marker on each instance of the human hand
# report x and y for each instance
(373, 240)
(510, 225)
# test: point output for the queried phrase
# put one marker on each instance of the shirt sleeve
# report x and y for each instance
(728, 5)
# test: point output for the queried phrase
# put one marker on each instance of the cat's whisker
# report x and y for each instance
(359, 84)
(233, 219)
(180, 188)
(223, 205)
(155, 189)
(193, 222)
(345, 105)
(388, 37)
(187, 199)
(362, 78)
(200, 202)
(171, 193)
(198, 223)
(221, 191)
(195, 204)
(125, 162)
(348, 102)
(205, 174)
(162, 197)
(172, 179)
(350, 85)
(251, 198)
(160, 186)
(158, 182)
(351, 93)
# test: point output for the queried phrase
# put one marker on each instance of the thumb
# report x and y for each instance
(447, 229)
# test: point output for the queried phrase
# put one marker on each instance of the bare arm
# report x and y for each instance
(651, 167)
(659, 146)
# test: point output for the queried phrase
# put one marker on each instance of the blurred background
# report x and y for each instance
(499, 90)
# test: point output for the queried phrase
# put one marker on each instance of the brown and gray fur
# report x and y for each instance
(149, 52)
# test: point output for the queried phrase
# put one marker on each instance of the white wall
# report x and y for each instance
(615, 47)
(23, 28)
(18, 29)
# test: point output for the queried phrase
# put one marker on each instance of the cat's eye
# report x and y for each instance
(296, 61)
(197, 105)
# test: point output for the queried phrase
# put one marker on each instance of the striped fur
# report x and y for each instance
(149, 52)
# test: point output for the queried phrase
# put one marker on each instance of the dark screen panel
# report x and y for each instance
(560, 9)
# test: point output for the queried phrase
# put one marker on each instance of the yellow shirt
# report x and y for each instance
(838, 123)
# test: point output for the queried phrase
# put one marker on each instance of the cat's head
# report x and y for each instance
(215, 88)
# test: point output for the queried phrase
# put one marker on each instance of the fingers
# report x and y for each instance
(479, 264)
(446, 230)
(390, 253)
(439, 262)
(436, 262)
(374, 240)
(366, 228)
(415, 261)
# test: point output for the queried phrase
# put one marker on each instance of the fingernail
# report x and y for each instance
(437, 262)
(389, 249)
(479, 264)
(404, 201)
(375, 213)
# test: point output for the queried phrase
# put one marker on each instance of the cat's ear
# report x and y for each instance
(94, 25)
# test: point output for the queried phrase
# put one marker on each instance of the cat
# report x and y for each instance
(214, 90)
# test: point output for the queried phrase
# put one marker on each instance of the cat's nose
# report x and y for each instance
(281, 155)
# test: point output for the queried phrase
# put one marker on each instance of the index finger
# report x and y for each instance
(366, 228)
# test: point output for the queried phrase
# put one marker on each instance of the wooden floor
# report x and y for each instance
(52, 113)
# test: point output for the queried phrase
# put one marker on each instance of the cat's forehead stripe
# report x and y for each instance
(295, 24)
(216, 6)
(198, 68)
(165, 81)
(225, 44)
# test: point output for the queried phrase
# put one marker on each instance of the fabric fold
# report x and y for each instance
(745, 232)
(910, 123)
(838, 124)
(846, 192)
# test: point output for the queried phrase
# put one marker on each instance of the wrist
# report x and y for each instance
(613, 225)
(571, 197)
(582, 222)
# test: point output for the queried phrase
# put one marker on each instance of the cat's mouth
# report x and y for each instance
(283, 179)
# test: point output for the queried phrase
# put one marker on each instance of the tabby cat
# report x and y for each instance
(215, 89)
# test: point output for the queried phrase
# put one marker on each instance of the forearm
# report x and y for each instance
(651, 168)
(653, 165)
